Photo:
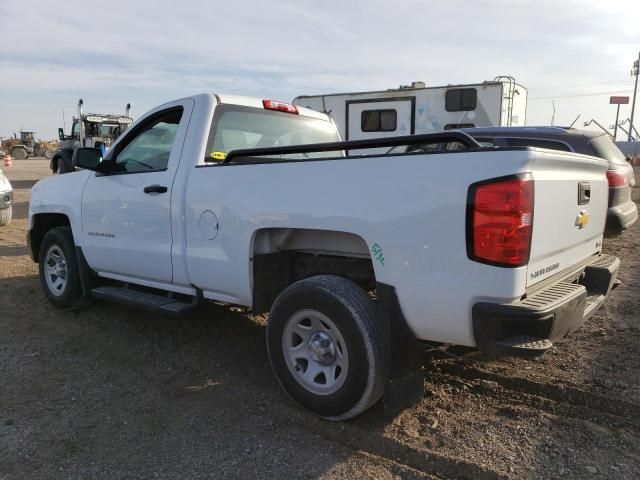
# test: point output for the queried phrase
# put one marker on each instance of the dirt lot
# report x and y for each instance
(112, 392)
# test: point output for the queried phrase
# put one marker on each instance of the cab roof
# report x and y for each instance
(257, 103)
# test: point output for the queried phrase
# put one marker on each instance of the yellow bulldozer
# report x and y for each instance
(27, 146)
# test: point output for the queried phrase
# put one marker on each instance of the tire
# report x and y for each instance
(351, 364)
(5, 215)
(19, 153)
(59, 269)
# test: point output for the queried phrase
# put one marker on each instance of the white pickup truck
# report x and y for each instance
(357, 258)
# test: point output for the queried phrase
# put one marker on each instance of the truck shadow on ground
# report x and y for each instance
(23, 184)
(20, 210)
(13, 250)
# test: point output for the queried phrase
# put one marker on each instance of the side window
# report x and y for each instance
(461, 100)
(534, 142)
(148, 149)
(378, 120)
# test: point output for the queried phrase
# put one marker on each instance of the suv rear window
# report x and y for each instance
(604, 147)
(538, 143)
(235, 127)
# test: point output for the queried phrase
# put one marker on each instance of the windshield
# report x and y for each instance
(236, 128)
(106, 130)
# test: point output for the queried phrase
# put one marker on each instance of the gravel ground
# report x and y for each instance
(113, 392)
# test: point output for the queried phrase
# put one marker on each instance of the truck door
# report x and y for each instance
(126, 216)
(375, 118)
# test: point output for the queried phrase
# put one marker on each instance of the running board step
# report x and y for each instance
(150, 301)
(523, 345)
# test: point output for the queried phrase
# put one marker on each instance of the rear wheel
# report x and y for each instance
(19, 153)
(5, 215)
(324, 346)
(58, 269)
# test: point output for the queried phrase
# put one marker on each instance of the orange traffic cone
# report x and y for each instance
(7, 160)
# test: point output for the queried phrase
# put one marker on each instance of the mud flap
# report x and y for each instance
(88, 278)
(403, 353)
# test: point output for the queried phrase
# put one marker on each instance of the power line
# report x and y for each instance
(596, 94)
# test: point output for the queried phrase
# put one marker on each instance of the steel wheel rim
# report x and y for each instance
(315, 352)
(55, 270)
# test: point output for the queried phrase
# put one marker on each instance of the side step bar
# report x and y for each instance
(150, 301)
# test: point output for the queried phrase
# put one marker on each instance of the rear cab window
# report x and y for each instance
(237, 127)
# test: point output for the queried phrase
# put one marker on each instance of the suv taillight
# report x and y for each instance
(500, 221)
(616, 178)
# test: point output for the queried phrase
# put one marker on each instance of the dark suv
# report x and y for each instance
(622, 212)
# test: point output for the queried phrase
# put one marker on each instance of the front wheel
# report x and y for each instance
(58, 268)
(324, 346)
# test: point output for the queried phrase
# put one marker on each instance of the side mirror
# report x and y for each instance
(61, 134)
(87, 158)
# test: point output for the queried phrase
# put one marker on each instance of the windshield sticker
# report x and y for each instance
(376, 250)
(218, 155)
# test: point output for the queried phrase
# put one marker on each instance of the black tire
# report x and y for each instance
(5, 215)
(19, 153)
(70, 296)
(353, 312)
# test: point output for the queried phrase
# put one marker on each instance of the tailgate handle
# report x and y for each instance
(584, 193)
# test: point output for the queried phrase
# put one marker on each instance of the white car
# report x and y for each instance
(6, 199)
(358, 258)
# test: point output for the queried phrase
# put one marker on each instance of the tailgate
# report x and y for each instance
(570, 207)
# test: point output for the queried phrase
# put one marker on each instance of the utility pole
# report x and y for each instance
(634, 72)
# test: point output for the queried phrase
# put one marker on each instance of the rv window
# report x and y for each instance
(379, 120)
(461, 100)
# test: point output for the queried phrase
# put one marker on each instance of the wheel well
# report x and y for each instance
(42, 223)
(282, 256)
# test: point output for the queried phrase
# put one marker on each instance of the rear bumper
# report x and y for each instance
(530, 326)
(620, 218)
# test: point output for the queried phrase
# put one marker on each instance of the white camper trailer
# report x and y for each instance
(418, 109)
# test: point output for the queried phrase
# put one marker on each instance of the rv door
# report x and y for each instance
(380, 117)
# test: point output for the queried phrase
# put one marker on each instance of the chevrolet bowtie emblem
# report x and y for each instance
(582, 219)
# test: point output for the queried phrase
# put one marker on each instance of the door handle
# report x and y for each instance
(155, 189)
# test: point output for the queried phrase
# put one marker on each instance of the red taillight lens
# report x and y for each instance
(280, 106)
(616, 178)
(501, 220)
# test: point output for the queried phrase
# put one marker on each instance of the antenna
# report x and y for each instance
(553, 115)
(575, 120)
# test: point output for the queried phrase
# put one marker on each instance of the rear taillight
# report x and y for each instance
(280, 106)
(617, 178)
(500, 220)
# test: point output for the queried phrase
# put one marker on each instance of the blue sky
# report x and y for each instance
(147, 52)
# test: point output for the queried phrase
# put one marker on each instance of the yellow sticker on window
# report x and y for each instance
(218, 155)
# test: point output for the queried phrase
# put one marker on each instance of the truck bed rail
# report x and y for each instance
(440, 137)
